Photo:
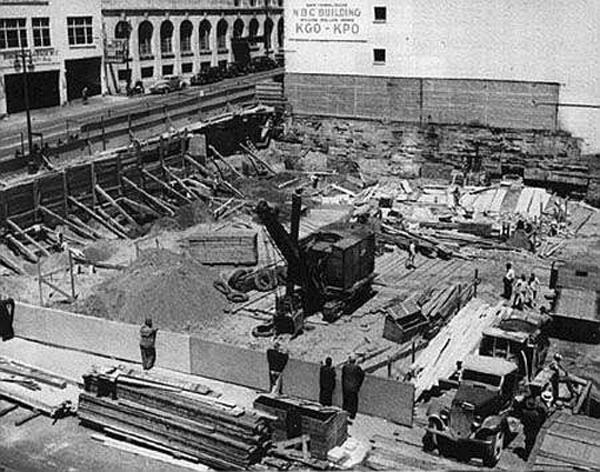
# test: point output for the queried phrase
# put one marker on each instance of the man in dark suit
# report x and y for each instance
(352, 379)
(326, 383)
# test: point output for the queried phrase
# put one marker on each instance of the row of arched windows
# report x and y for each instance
(146, 31)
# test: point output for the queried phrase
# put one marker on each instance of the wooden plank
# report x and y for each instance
(183, 185)
(117, 207)
(224, 161)
(166, 186)
(140, 207)
(21, 248)
(159, 203)
(28, 238)
(76, 229)
(100, 219)
(29, 417)
(262, 161)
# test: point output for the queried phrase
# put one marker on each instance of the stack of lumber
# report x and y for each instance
(238, 248)
(425, 313)
(402, 239)
(37, 389)
(453, 343)
(220, 435)
(327, 427)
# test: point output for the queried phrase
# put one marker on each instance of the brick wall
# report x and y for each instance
(504, 104)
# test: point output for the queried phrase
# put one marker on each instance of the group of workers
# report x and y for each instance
(277, 358)
(521, 291)
(352, 379)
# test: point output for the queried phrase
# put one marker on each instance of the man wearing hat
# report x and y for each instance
(147, 344)
(277, 359)
(352, 379)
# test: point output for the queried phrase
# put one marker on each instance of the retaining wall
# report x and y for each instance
(378, 397)
(496, 103)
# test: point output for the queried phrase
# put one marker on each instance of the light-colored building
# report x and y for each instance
(62, 45)
(506, 63)
(182, 37)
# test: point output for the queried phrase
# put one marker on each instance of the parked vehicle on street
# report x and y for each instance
(167, 84)
(207, 76)
(475, 420)
(261, 63)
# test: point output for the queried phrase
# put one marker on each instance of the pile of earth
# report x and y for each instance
(176, 292)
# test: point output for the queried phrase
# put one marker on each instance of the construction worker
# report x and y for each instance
(148, 344)
(7, 312)
(533, 416)
(412, 253)
(326, 382)
(352, 379)
(534, 288)
(457, 374)
(456, 196)
(520, 290)
(277, 359)
(508, 281)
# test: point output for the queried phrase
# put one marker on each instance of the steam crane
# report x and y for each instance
(334, 269)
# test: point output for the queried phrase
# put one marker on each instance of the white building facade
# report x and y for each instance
(182, 37)
(505, 63)
(61, 45)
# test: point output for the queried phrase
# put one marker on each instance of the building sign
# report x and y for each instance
(35, 57)
(326, 21)
(115, 51)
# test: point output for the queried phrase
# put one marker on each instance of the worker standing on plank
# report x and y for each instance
(7, 312)
(508, 281)
(148, 344)
(326, 383)
(277, 359)
(352, 379)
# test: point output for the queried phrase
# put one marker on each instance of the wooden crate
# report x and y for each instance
(326, 426)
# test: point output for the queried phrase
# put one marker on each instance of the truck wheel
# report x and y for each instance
(265, 281)
(492, 456)
(237, 278)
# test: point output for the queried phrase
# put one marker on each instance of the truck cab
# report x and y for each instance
(475, 420)
(518, 337)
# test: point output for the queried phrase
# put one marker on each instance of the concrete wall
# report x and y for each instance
(502, 40)
(379, 397)
(491, 103)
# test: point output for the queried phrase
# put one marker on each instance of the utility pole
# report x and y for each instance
(26, 54)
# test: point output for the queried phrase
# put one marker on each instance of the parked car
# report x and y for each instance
(167, 84)
(261, 63)
(207, 76)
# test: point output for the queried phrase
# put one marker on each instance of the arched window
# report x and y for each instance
(122, 30)
(185, 36)
(145, 32)
(166, 37)
(205, 35)
(280, 34)
(268, 33)
(222, 35)
(238, 28)
(253, 28)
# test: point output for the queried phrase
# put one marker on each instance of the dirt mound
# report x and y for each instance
(176, 292)
(99, 251)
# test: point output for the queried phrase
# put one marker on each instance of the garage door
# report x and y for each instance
(43, 90)
(82, 73)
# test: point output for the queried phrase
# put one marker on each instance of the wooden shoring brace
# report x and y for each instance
(190, 160)
(232, 189)
(15, 227)
(255, 156)
(166, 186)
(42, 280)
(111, 221)
(95, 216)
(159, 203)
(140, 207)
(224, 161)
(117, 207)
(75, 228)
(21, 248)
(78, 221)
(182, 184)
(10, 264)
